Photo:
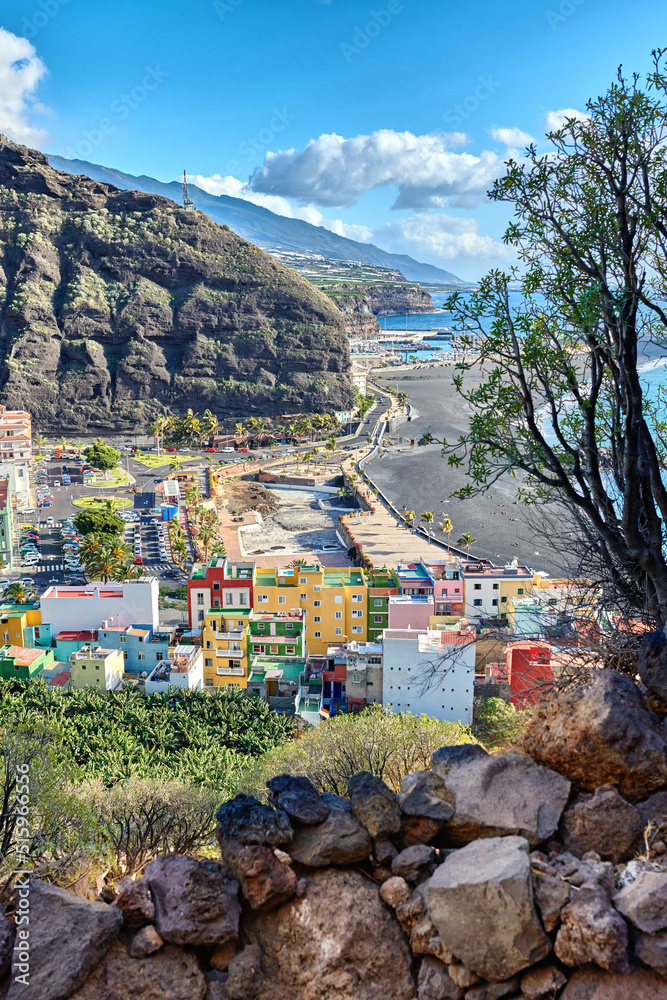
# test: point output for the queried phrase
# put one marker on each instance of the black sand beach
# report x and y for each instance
(422, 480)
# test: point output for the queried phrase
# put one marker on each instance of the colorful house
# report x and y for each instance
(89, 607)
(430, 673)
(141, 645)
(410, 611)
(220, 584)
(23, 664)
(447, 579)
(279, 634)
(16, 620)
(364, 674)
(224, 636)
(71, 642)
(382, 584)
(6, 525)
(528, 670)
(488, 589)
(93, 666)
(184, 668)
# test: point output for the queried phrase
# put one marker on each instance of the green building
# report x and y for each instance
(24, 664)
(382, 584)
(277, 634)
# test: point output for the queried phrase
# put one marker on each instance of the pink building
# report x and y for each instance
(410, 611)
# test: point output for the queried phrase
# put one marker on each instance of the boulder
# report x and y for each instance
(374, 804)
(492, 991)
(195, 902)
(551, 894)
(595, 984)
(249, 821)
(424, 793)
(340, 840)
(435, 983)
(543, 981)
(644, 902)
(245, 974)
(135, 902)
(338, 941)
(603, 822)
(265, 880)
(417, 830)
(651, 949)
(384, 852)
(465, 897)
(297, 796)
(395, 891)
(7, 936)
(415, 864)
(68, 937)
(171, 972)
(591, 930)
(145, 942)
(654, 810)
(496, 796)
(652, 669)
(600, 734)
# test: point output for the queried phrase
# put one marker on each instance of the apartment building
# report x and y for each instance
(224, 640)
(382, 585)
(447, 579)
(364, 674)
(430, 672)
(19, 663)
(142, 646)
(16, 453)
(184, 668)
(218, 584)
(101, 605)
(487, 588)
(18, 622)
(93, 666)
(6, 525)
(334, 602)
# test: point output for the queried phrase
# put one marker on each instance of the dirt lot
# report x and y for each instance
(242, 495)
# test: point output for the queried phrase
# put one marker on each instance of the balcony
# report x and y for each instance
(228, 652)
(230, 671)
(234, 636)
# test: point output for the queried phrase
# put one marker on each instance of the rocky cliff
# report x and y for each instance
(485, 877)
(117, 305)
(360, 304)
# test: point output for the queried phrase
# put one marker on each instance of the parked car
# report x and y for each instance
(27, 581)
(170, 448)
(56, 482)
(50, 520)
(210, 451)
(138, 561)
(228, 449)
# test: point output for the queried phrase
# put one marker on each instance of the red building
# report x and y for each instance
(528, 671)
(221, 584)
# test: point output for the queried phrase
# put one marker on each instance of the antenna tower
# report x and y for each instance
(187, 200)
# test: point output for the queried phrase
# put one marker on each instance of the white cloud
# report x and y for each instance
(362, 234)
(442, 239)
(554, 120)
(334, 172)
(513, 137)
(215, 184)
(20, 73)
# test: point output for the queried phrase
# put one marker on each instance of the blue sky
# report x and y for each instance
(383, 121)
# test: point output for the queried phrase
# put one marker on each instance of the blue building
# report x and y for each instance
(141, 645)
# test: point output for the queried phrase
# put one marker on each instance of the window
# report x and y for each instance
(375, 660)
(317, 619)
(274, 650)
(378, 619)
(496, 586)
(258, 649)
(262, 598)
(83, 666)
(97, 666)
(124, 656)
(208, 662)
(229, 598)
(243, 599)
(338, 631)
(6, 636)
(289, 650)
(338, 600)
(317, 586)
(235, 664)
(302, 597)
(216, 602)
(209, 644)
(159, 657)
(357, 598)
(339, 615)
(357, 629)
(317, 604)
(317, 635)
(494, 602)
(281, 600)
(200, 616)
(503, 600)
(378, 602)
(123, 638)
(356, 678)
(261, 625)
(240, 625)
(303, 581)
(200, 598)
(209, 682)
(141, 656)
(520, 590)
(288, 626)
(357, 613)
(456, 590)
(477, 604)
(216, 585)
(478, 586)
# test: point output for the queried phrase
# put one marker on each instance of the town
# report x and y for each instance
(434, 633)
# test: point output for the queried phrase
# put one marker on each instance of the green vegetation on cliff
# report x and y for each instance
(116, 306)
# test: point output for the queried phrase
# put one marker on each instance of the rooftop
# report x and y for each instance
(93, 653)
(414, 571)
(289, 670)
(21, 655)
(84, 636)
(481, 569)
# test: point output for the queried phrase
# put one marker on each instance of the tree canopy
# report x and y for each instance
(99, 522)
(102, 456)
(561, 400)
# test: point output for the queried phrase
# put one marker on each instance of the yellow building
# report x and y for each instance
(224, 639)
(333, 601)
(93, 666)
(15, 619)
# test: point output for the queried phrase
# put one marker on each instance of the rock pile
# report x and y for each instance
(486, 877)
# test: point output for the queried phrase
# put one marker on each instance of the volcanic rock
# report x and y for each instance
(297, 796)
(603, 822)
(195, 902)
(374, 804)
(340, 840)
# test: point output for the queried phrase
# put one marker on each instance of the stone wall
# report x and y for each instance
(485, 877)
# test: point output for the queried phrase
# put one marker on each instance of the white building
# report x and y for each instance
(16, 452)
(429, 672)
(487, 589)
(99, 605)
(185, 668)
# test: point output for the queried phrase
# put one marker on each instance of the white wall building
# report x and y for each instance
(487, 588)
(90, 607)
(184, 669)
(429, 672)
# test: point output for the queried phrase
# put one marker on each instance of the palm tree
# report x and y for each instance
(409, 516)
(240, 430)
(40, 441)
(467, 540)
(174, 464)
(17, 592)
(210, 425)
(157, 431)
(206, 536)
(62, 442)
(428, 516)
(446, 527)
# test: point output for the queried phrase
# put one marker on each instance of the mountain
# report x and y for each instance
(265, 228)
(118, 305)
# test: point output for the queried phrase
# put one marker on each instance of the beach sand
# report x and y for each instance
(422, 480)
